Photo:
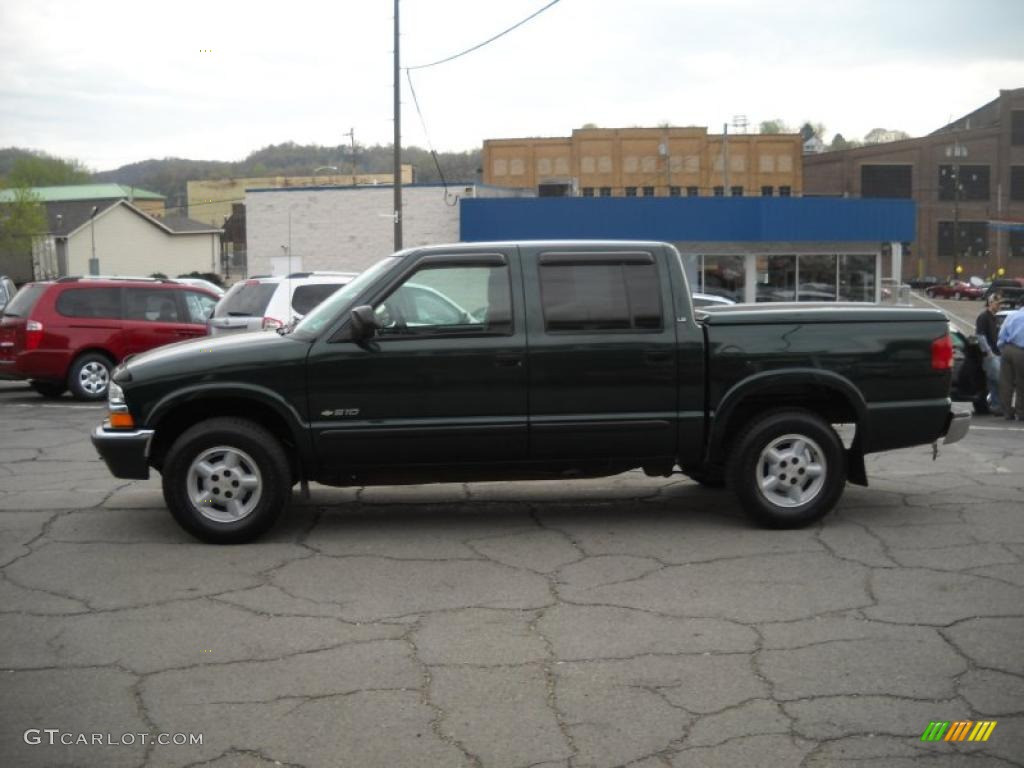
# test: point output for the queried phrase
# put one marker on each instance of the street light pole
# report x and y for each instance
(397, 143)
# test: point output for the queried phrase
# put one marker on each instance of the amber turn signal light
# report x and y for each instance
(122, 420)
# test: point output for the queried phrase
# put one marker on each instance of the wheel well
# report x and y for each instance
(92, 351)
(830, 405)
(173, 423)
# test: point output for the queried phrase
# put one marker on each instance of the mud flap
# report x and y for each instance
(856, 472)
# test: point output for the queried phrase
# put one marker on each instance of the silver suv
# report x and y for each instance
(266, 303)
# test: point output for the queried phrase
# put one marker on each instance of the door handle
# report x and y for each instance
(508, 361)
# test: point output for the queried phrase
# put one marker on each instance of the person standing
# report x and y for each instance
(987, 330)
(1011, 377)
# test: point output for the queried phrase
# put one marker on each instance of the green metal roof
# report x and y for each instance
(85, 192)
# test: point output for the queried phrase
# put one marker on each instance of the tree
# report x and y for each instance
(883, 135)
(41, 170)
(839, 143)
(809, 130)
(22, 218)
(775, 126)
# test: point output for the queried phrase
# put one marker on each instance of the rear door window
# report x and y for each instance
(24, 300)
(90, 302)
(608, 296)
(246, 299)
(154, 306)
(308, 296)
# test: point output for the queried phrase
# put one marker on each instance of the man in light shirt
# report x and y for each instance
(1011, 373)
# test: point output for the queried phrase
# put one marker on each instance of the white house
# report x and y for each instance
(124, 240)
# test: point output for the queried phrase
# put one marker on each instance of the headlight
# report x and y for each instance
(115, 396)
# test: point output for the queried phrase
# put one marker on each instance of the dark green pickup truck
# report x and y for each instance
(532, 360)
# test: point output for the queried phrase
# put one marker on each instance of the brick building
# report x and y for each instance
(966, 177)
(647, 162)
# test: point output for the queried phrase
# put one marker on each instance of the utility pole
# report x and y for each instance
(352, 136)
(398, 142)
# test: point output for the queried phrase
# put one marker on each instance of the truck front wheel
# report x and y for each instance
(788, 469)
(226, 480)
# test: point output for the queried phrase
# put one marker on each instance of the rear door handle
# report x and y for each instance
(508, 361)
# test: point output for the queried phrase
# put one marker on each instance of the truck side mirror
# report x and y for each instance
(364, 323)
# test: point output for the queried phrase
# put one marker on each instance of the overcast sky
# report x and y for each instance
(118, 81)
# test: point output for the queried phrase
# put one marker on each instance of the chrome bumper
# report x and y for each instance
(957, 426)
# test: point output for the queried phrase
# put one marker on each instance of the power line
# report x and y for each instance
(488, 41)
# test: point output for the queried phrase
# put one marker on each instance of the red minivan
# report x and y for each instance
(69, 333)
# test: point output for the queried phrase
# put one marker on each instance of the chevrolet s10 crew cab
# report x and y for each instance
(530, 360)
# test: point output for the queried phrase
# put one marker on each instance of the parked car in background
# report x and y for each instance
(1005, 286)
(198, 282)
(71, 332)
(7, 290)
(922, 283)
(269, 303)
(958, 289)
(968, 380)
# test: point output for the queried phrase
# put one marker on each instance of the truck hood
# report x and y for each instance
(212, 354)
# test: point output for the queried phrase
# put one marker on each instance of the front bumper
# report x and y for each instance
(125, 452)
(957, 424)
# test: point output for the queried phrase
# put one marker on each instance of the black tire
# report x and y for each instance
(89, 376)
(237, 451)
(48, 388)
(804, 443)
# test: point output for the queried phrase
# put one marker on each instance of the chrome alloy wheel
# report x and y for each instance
(93, 378)
(224, 484)
(791, 471)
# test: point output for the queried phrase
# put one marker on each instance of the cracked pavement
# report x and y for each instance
(630, 621)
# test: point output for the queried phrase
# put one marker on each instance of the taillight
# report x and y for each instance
(33, 334)
(942, 353)
(272, 324)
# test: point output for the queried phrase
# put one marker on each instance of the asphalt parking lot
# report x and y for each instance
(631, 621)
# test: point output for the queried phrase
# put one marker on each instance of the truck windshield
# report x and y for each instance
(315, 322)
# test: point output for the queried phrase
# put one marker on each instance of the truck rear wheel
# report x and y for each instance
(788, 469)
(226, 480)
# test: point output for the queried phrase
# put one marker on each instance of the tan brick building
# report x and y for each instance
(967, 179)
(647, 162)
(210, 200)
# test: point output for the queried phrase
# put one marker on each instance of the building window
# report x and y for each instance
(767, 191)
(588, 191)
(784, 191)
(719, 191)
(736, 191)
(723, 276)
(692, 192)
(1017, 127)
(1017, 244)
(969, 240)
(1017, 182)
(675, 191)
(648, 191)
(886, 181)
(630, 191)
(966, 182)
(606, 191)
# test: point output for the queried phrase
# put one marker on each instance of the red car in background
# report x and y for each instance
(958, 289)
(69, 333)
